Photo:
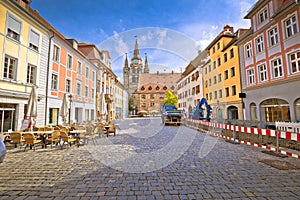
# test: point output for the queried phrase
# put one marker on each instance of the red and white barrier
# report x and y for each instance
(251, 130)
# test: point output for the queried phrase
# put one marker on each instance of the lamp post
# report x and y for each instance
(70, 100)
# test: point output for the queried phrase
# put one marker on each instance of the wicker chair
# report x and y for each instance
(55, 138)
(16, 138)
(66, 139)
(30, 140)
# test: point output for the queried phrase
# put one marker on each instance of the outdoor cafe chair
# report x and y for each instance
(55, 137)
(112, 129)
(66, 139)
(30, 140)
(91, 135)
(16, 138)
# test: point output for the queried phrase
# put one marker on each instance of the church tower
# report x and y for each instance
(132, 74)
(126, 73)
(146, 68)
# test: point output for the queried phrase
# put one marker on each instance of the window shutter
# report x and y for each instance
(34, 38)
(14, 25)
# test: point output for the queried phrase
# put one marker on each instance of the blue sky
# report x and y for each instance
(170, 31)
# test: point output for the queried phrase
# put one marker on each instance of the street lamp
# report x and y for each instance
(70, 100)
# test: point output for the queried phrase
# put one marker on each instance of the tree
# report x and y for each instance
(170, 99)
(130, 104)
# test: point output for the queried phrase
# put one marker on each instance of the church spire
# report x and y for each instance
(136, 54)
(126, 68)
(146, 69)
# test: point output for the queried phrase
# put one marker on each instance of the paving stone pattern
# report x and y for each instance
(229, 171)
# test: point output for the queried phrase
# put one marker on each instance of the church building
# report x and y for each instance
(147, 90)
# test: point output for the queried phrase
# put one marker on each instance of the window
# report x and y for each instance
(10, 68)
(277, 68)
(216, 94)
(227, 92)
(56, 52)
(219, 62)
(225, 74)
(31, 74)
(157, 88)
(206, 96)
(205, 70)
(13, 28)
(213, 50)
(68, 86)
(54, 81)
(291, 26)
(152, 104)
(86, 93)
(259, 44)
(206, 83)
(93, 93)
(262, 72)
(94, 76)
(250, 76)
(78, 88)
(233, 90)
(210, 96)
(79, 67)
(142, 88)
(87, 72)
(294, 61)
(215, 79)
(161, 96)
(220, 93)
(209, 81)
(151, 96)
(220, 77)
(273, 36)
(143, 96)
(218, 45)
(149, 88)
(262, 16)
(231, 53)
(225, 57)
(248, 50)
(209, 68)
(69, 62)
(232, 71)
(34, 39)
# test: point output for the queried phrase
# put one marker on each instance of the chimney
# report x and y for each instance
(24, 3)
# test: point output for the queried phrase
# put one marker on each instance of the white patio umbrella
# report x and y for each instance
(32, 107)
(64, 109)
(104, 107)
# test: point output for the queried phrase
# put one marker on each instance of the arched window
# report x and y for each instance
(232, 112)
(253, 115)
(165, 88)
(142, 88)
(157, 88)
(272, 110)
(149, 88)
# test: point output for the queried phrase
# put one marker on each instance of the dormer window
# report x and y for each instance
(149, 88)
(142, 88)
(263, 16)
(157, 88)
(165, 88)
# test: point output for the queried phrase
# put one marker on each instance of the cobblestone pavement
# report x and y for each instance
(228, 171)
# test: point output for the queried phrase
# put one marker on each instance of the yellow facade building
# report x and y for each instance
(23, 62)
(221, 76)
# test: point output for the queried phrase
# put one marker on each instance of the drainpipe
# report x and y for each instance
(47, 79)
